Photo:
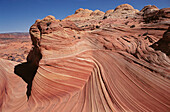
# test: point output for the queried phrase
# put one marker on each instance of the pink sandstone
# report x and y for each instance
(108, 64)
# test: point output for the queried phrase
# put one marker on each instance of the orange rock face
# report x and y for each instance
(82, 64)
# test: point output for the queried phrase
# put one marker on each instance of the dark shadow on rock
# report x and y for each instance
(27, 72)
(28, 69)
(163, 43)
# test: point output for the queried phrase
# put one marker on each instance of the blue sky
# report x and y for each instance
(19, 15)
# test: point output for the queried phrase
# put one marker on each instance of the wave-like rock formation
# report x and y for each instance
(93, 62)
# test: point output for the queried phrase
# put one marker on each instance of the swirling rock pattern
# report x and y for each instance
(88, 65)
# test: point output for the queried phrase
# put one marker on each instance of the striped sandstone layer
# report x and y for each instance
(92, 65)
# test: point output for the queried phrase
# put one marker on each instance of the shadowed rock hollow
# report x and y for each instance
(93, 62)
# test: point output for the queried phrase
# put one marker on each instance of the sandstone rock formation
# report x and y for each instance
(164, 43)
(149, 9)
(82, 64)
(123, 11)
(152, 14)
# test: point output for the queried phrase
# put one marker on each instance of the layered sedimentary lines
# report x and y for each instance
(131, 87)
(12, 89)
(95, 62)
(96, 83)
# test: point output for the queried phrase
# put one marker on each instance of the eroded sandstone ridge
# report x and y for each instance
(93, 61)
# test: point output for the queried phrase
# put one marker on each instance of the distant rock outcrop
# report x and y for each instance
(97, 13)
(80, 14)
(164, 43)
(149, 9)
(15, 35)
(123, 11)
(153, 14)
(109, 12)
(124, 7)
(92, 61)
(14, 46)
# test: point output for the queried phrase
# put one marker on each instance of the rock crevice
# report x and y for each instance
(27, 70)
